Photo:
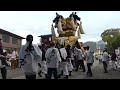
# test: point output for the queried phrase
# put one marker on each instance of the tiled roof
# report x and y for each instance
(11, 34)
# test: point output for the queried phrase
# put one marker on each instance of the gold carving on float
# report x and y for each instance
(67, 29)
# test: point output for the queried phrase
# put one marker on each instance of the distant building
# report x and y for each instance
(46, 39)
(10, 40)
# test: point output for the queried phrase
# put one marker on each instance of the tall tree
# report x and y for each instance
(112, 37)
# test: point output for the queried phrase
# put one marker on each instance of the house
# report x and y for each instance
(10, 40)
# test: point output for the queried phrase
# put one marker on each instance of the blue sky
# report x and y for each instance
(39, 22)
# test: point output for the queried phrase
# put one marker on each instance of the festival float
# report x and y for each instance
(69, 29)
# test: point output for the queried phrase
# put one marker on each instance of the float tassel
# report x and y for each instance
(53, 32)
(81, 28)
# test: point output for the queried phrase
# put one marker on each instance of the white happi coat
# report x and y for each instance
(52, 58)
(29, 60)
(88, 57)
(78, 53)
(64, 64)
(63, 53)
(105, 56)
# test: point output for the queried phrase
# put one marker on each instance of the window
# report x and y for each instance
(5, 38)
(14, 40)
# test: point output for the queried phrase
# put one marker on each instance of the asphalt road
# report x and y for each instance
(97, 69)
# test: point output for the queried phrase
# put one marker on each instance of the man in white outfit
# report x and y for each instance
(105, 60)
(52, 59)
(79, 58)
(29, 57)
(42, 64)
(64, 62)
(89, 57)
(100, 58)
(113, 58)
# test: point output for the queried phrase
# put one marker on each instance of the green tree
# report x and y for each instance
(112, 37)
(116, 41)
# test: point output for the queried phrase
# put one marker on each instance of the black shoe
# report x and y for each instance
(106, 72)
(83, 71)
(90, 75)
(80, 68)
(40, 74)
(59, 76)
(76, 70)
(45, 76)
(70, 73)
(62, 73)
(66, 77)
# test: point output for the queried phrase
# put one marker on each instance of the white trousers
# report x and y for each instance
(118, 63)
(43, 67)
(114, 64)
(59, 68)
(70, 66)
(65, 68)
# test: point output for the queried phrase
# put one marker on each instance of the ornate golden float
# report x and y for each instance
(67, 28)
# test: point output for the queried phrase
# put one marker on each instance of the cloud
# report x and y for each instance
(39, 22)
(92, 37)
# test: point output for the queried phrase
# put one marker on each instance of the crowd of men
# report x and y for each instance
(111, 59)
(55, 59)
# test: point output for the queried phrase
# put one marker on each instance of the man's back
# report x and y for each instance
(89, 56)
(52, 57)
(63, 53)
(79, 54)
(29, 60)
(113, 57)
(105, 56)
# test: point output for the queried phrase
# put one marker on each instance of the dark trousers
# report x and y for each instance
(31, 76)
(72, 61)
(89, 72)
(105, 65)
(17, 63)
(82, 65)
(78, 63)
(4, 72)
(52, 71)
